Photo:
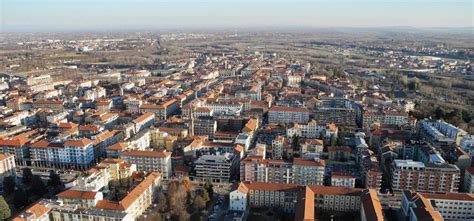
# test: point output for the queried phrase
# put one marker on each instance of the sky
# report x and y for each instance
(57, 15)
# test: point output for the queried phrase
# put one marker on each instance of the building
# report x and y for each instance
(285, 115)
(285, 197)
(312, 130)
(78, 154)
(156, 161)
(278, 145)
(143, 121)
(299, 171)
(371, 208)
(448, 206)
(7, 167)
(214, 168)
(161, 111)
(469, 180)
(342, 179)
(204, 126)
(421, 177)
(335, 110)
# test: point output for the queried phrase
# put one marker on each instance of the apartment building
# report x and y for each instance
(161, 111)
(371, 208)
(143, 121)
(117, 171)
(299, 171)
(87, 205)
(421, 177)
(56, 105)
(278, 145)
(204, 126)
(285, 115)
(440, 133)
(7, 167)
(215, 168)
(384, 117)
(157, 161)
(447, 206)
(284, 197)
(342, 179)
(469, 180)
(312, 130)
(335, 110)
(19, 146)
(77, 154)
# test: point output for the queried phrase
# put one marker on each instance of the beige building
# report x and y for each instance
(7, 167)
(157, 161)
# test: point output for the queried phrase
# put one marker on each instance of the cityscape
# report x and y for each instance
(209, 121)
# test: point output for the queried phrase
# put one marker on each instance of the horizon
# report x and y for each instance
(123, 15)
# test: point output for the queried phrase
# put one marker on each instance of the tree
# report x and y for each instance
(188, 185)
(54, 179)
(209, 188)
(162, 202)
(37, 186)
(27, 174)
(183, 215)
(205, 196)
(20, 199)
(199, 202)
(296, 141)
(177, 197)
(5, 211)
(9, 184)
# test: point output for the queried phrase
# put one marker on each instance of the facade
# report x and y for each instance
(7, 167)
(299, 171)
(469, 180)
(342, 179)
(77, 154)
(156, 161)
(214, 168)
(278, 145)
(448, 206)
(204, 126)
(285, 197)
(143, 121)
(287, 115)
(420, 177)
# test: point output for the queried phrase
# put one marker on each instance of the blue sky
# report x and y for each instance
(177, 14)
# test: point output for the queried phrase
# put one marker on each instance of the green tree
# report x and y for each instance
(296, 141)
(205, 196)
(209, 188)
(5, 212)
(54, 179)
(20, 199)
(37, 186)
(27, 174)
(9, 184)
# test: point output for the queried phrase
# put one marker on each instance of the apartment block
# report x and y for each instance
(285, 115)
(157, 161)
(420, 177)
(299, 171)
(7, 167)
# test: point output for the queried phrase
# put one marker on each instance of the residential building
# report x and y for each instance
(342, 179)
(214, 168)
(7, 167)
(299, 171)
(421, 177)
(285, 115)
(469, 180)
(156, 161)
